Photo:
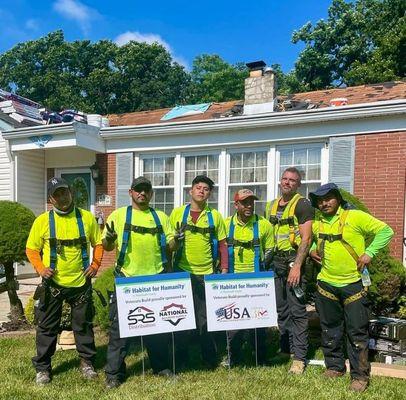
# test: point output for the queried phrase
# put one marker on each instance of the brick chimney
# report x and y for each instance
(260, 89)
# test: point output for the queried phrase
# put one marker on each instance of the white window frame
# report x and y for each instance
(233, 150)
(323, 162)
(183, 155)
(139, 160)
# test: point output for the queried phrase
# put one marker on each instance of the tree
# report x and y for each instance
(360, 42)
(15, 225)
(96, 77)
(213, 79)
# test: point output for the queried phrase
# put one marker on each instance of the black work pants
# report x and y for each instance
(49, 317)
(156, 345)
(292, 315)
(339, 321)
(206, 339)
(236, 339)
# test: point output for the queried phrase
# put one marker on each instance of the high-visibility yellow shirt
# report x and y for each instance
(69, 266)
(143, 255)
(338, 266)
(244, 232)
(196, 252)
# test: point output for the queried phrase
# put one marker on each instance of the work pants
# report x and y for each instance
(236, 339)
(156, 345)
(206, 339)
(48, 316)
(292, 315)
(339, 321)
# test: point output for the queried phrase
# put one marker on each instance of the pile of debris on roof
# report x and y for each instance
(30, 113)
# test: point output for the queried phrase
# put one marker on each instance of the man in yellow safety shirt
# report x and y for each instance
(250, 245)
(291, 216)
(342, 284)
(141, 236)
(58, 248)
(201, 232)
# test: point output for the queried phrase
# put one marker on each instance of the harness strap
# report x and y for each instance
(54, 243)
(128, 228)
(348, 300)
(196, 229)
(126, 238)
(290, 220)
(252, 244)
(322, 237)
(162, 237)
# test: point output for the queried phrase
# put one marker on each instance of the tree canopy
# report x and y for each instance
(360, 42)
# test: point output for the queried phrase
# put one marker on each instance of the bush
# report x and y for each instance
(388, 276)
(104, 283)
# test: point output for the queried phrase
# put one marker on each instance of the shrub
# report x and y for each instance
(104, 283)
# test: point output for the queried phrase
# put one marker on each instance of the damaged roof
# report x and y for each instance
(320, 98)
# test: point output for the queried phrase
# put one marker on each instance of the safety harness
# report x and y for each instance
(288, 220)
(128, 228)
(321, 241)
(57, 244)
(203, 231)
(251, 244)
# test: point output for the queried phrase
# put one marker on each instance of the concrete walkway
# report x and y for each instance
(26, 290)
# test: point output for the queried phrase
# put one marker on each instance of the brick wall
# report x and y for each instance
(380, 180)
(107, 164)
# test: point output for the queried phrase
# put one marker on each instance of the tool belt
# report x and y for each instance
(348, 300)
(142, 229)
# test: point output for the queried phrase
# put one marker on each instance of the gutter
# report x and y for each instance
(366, 110)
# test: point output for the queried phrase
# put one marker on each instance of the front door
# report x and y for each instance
(80, 185)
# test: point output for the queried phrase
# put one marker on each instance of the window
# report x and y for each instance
(201, 165)
(307, 159)
(160, 171)
(248, 170)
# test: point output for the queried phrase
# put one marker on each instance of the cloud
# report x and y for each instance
(76, 11)
(149, 38)
(32, 24)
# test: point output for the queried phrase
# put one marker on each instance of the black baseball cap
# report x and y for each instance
(141, 181)
(204, 179)
(56, 183)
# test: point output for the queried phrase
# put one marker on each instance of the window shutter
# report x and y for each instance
(342, 154)
(124, 176)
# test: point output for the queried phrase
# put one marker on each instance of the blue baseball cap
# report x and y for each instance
(323, 190)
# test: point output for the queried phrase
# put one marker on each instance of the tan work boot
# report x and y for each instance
(297, 367)
(358, 385)
(331, 373)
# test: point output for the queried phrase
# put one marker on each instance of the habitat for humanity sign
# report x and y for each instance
(240, 301)
(155, 304)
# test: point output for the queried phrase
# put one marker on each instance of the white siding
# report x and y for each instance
(31, 180)
(5, 172)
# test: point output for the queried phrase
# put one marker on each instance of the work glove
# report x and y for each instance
(179, 235)
(268, 258)
(111, 234)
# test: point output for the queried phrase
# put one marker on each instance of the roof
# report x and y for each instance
(11, 121)
(354, 94)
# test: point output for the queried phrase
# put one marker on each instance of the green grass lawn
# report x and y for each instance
(17, 380)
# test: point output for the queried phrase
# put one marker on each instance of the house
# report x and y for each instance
(354, 136)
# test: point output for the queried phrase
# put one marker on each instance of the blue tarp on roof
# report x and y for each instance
(183, 111)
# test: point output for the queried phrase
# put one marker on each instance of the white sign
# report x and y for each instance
(240, 301)
(103, 200)
(155, 304)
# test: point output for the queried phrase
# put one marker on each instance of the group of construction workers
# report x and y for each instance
(195, 238)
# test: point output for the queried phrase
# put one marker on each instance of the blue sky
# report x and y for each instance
(236, 30)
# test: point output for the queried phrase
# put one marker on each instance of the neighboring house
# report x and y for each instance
(361, 146)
